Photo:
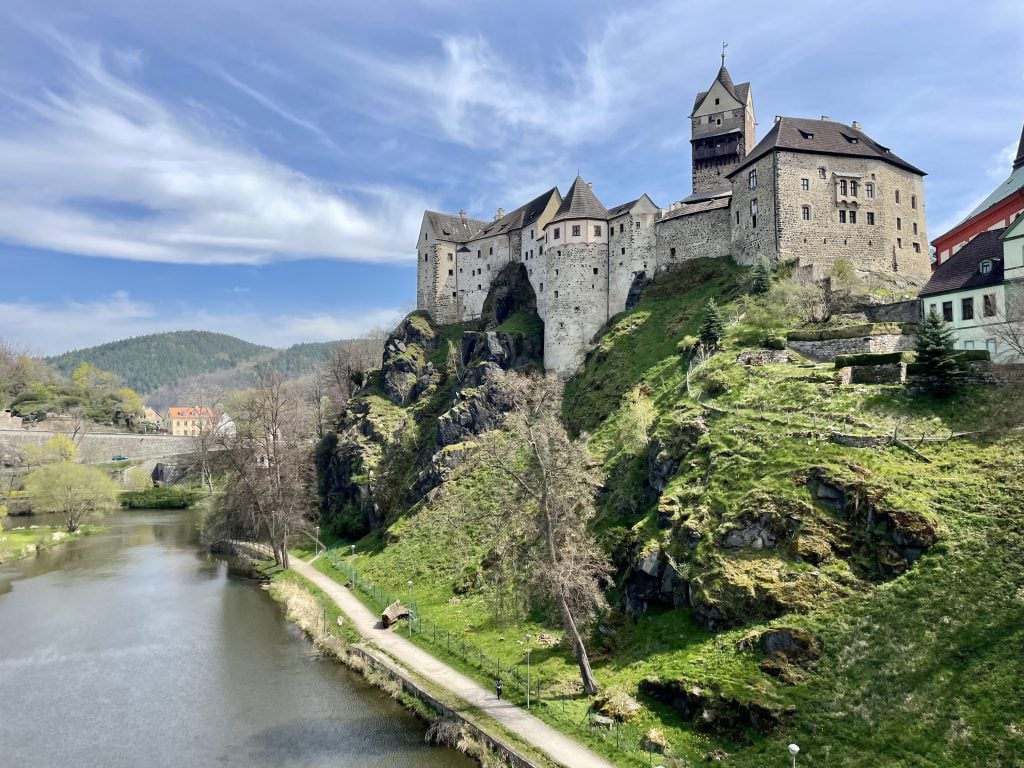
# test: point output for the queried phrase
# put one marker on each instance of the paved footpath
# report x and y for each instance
(554, 744)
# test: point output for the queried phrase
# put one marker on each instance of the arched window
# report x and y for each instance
(805, 212)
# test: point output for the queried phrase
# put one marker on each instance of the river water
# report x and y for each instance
(134, 648)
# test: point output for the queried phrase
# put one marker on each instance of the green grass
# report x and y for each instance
(919, 669)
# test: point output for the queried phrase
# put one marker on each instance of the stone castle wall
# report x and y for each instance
(99, 447)
(751, 239)
(829, 349)
(574, 307)
(696, 235)
(631, 251)
(887, 245)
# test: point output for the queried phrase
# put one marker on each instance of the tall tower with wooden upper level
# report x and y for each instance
(722, 130)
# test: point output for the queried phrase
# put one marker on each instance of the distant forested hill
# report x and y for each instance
(147, 363)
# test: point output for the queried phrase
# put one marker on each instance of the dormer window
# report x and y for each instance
(985, 266)
(851, 139)
(806, 134)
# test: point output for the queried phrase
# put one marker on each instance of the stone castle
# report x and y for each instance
(810, 192)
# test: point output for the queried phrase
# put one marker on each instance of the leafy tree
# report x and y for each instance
(637, 418)
(936, 356)
(543, 493)
(712, 327)
(57, 448)
(761, 280)
(74, 491)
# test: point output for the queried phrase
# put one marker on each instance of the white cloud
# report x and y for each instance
(104, 169)
(50, 329)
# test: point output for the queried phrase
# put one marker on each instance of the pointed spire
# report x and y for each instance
(723, 75)
(724, 46)
(1018, 161)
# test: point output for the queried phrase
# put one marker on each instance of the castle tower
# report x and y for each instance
(722, 133)
(574, 303)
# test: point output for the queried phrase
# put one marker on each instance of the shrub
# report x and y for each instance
(874, 358)
(715, 384)
(165, 497)
(686, 345)
(973, 355)
(774, 342)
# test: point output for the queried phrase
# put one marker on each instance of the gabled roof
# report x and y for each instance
(580, 202)
(688, 209)
(739, 92)
(454, 228)
(825, 137)
(1015, 183)
(523, 216)
(1018, 161)
(960, 271)
(618, 210)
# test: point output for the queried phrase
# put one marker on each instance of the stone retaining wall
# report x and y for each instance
(890, 373)
(829, 349)
(98, 447)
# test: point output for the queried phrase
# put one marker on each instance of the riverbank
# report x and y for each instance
(513, 735)
(19, 543)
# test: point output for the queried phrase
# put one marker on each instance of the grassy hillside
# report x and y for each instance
(737, 513)
(148, 362)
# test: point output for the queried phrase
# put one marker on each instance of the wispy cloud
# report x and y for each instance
(52, 328)
(164, 186)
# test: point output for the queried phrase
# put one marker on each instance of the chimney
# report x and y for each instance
(501, 212)
(590, 186)
(826, 117)
(462, 216)
(778, 118)
(856, 125)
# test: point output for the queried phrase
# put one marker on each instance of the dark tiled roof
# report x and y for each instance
(960, 271)
(454, 228)
(618, 210)
(688, 209)
(580, 203)
(826, 137)
(697, 197)
(523, 216)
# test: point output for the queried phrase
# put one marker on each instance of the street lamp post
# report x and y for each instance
(352, 558)
(794, 750)
(527, 670)
(409, 585)
(319, 546)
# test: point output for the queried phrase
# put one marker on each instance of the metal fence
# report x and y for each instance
(626, 737)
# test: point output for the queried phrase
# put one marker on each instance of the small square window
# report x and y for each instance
(871, 217)
(917, 247)
(805, 185)
(597, 230)
(595, 270)
(575, 230)
(558, 232)
(451, 272)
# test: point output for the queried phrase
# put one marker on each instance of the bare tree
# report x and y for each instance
(1009, 328)
(348, 363)
(269, 486)
(207, 436)
(544, 490)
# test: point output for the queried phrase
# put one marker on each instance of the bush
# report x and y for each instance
(160, 498)
(854, 331)
(715, 384)
(973, 355)
(874, 358)
(774, 342)
(686, 345)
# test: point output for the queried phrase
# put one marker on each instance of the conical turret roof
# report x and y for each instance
(580, 202)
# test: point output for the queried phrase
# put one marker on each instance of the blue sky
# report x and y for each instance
(260, 168)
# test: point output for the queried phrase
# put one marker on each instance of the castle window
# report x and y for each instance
(869, 189)
(899, 223)
(718, 121)
(899, 242)
(752, 179)
(575, 230)
(871, 217)
(597, 230)
(542, 287)
(947, 311)
(805, 185)
(451, 272)
(426, 257)
(917, 247)
(853, 217)
(478, 253)
(897, 197)
(915, 227)
(821, 172)
(531, 234)
(424, 235)
(556, 294)
(753, 212)
(989, 305)
(621, 228)
(913, 202)
(853, 189)
(558, 232)
(623, 251)
(556, 273)
(540, 250)
(842, 187)
(671, 253)
(490, 251)
(805, 212)
(450, 257)
(453, 294)
(842, 217)
(595, 270)
(716, 102)
(737, 217)
(638, 226)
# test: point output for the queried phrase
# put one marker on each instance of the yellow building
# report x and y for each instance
(189, 421)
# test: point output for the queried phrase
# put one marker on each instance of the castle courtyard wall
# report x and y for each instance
(692, 236)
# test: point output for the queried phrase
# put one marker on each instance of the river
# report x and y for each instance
(134, 648)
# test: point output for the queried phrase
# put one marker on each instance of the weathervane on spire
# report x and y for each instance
(724, 46)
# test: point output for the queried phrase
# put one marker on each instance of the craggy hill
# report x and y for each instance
(773, 583)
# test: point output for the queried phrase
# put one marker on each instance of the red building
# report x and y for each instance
(996, 211)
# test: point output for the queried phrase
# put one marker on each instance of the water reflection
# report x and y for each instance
(132, 647)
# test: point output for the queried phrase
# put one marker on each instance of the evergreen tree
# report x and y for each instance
(936, 356)
(712, 327)
(761, 281)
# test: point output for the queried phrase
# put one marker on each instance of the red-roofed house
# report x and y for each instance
(190, 421)
(997, 211)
